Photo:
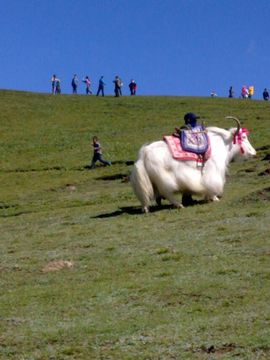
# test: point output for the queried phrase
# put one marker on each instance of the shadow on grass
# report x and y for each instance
(98, 165)
(119, 176)
(136, 210)
(63, 168)
(131, 210)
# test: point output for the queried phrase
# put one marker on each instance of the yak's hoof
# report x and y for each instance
(178, 206)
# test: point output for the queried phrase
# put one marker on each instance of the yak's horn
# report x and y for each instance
(237, 122)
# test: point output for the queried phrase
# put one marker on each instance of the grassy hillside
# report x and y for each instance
(172, 284)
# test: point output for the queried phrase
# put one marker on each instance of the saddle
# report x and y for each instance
(194, 140)
(190, 145)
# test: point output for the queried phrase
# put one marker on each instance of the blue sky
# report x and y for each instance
(170, 47)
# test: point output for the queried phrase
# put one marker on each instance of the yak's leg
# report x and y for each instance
(187, 200)
(145, 209)
(158, 197)
(158, 200)
(211, 198)
(167, 189)
(170, 196)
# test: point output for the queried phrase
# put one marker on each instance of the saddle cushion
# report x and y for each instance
(178, 153)
(194, 140)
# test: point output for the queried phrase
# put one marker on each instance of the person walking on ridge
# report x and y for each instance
(231, 92)
(265, 95)
(101, 85)
(117, 86)
(74, 84)
(53, 80)
(132, 87)
(57, 86)
(88, 85)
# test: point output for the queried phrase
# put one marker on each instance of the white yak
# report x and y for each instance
(157, 174)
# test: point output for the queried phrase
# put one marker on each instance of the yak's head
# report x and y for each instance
(242, 147)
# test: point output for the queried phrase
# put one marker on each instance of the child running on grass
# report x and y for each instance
(98, 154)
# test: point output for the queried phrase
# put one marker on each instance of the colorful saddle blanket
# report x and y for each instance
(178, 153)
(194, 140)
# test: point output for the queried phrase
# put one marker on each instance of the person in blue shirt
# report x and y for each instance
(190, 122)
(97, 154)
(191, 119)
(101, 85)
(53, 81)
(265, 94)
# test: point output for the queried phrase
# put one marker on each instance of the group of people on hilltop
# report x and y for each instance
(75, 84)
(118, 84)
(247, 92)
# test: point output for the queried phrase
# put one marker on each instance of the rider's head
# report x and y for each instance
(191, 119)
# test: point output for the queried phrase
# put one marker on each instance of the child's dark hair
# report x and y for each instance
(95, 138)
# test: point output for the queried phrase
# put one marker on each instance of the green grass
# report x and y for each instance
(172, 284)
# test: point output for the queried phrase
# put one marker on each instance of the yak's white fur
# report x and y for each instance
(156, 173)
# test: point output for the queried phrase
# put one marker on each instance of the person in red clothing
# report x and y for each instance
(87, 82)
(132, 87)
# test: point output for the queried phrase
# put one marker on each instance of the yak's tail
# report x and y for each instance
(141, 182)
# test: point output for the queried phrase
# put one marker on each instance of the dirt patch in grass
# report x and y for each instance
(250, 170)
(217, 350)
(265, 147)
(69, 187)
(222, 350)
(260, 195)
(57, 265)
(266, 172)
(267, 157)
(6, 206)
